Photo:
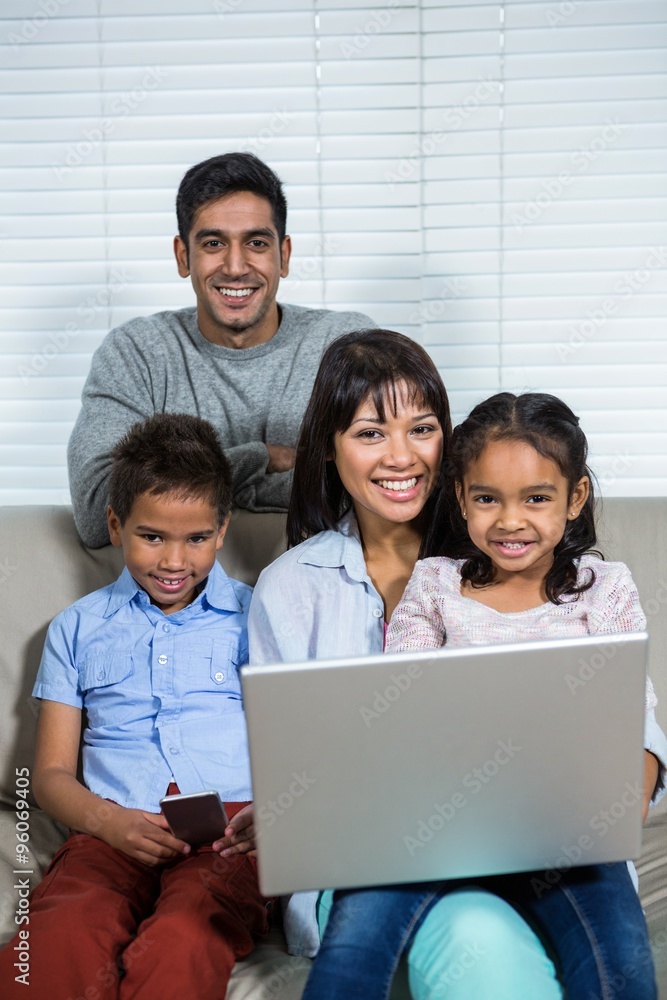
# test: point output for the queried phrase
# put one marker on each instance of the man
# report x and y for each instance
(238, 358)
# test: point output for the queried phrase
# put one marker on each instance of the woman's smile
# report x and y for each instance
(389, 466)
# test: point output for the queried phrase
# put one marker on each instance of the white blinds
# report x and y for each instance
(584, 279)
(486, 177)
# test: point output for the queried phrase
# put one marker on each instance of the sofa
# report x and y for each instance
(44, 567)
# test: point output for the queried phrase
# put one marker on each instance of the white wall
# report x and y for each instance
(489, 178)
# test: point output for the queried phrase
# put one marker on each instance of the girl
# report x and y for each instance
(366, 483)
(517, 524)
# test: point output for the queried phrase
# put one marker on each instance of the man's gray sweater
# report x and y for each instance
(162, 363)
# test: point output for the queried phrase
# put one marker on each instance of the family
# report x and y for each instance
(402, 535)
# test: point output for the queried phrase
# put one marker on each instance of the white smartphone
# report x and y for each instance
(198, 818)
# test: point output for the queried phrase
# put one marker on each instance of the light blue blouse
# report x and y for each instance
(315, 601)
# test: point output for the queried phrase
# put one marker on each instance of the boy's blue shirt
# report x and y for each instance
(162, 693)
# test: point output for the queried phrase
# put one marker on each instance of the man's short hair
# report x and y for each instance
(170, 453)
(228, 174)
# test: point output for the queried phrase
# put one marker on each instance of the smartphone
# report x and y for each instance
(198, 818)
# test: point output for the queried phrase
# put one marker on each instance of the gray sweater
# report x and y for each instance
(162, 363)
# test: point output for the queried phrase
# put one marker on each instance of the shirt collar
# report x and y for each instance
(218, 592)
(341, 547)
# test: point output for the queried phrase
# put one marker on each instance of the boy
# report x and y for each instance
(125, 908)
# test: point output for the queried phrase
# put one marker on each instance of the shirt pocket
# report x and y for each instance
(213, 666)
(106, 681)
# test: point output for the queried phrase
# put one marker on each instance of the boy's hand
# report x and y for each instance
(144, 836)
(239, 835)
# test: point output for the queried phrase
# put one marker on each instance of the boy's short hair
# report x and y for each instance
(170, 453)
(228, 174)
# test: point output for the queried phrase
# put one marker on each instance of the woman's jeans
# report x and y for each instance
(467, 940)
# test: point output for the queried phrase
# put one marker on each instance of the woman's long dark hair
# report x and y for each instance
(550, 426)
(368, 363)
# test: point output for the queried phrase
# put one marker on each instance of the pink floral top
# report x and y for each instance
(433, 611)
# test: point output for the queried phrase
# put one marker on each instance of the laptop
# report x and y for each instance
(454, 763)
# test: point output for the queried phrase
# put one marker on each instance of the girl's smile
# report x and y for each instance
(517, 504)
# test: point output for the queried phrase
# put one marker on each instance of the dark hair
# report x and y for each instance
(358, 365)
(170, 453)
(552, 429)
(228, 174)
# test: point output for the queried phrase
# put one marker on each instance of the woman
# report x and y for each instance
(368, 464)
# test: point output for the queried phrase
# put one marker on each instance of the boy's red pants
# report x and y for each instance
(175, 930)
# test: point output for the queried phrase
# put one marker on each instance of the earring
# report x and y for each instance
(464, 514)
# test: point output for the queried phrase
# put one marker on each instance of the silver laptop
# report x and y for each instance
(447, 764)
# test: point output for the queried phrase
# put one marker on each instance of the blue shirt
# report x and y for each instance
(317, 600)
(162, 693)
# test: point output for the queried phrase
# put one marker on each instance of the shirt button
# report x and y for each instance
(174, 750)
(219, 676)
(100, 675)
(162, 660)
(166, 628)
(377, 613)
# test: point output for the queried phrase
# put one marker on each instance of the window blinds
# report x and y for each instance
(488, 178)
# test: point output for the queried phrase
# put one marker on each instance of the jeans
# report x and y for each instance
(367, 932)
(590, 916)
(593, 919)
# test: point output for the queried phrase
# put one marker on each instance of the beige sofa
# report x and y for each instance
(44, 567)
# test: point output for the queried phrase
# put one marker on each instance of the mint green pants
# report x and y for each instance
(473, 946)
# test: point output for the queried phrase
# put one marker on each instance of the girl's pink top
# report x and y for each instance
(433, 611)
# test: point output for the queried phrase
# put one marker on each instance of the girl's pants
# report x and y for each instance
(466, 941)
(104, 926)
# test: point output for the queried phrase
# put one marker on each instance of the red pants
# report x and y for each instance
(104, 926)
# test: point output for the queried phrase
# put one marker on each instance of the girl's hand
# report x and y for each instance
(239, 835)
(651, 773)
(142, 835)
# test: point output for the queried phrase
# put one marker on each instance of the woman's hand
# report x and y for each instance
(239, 835)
